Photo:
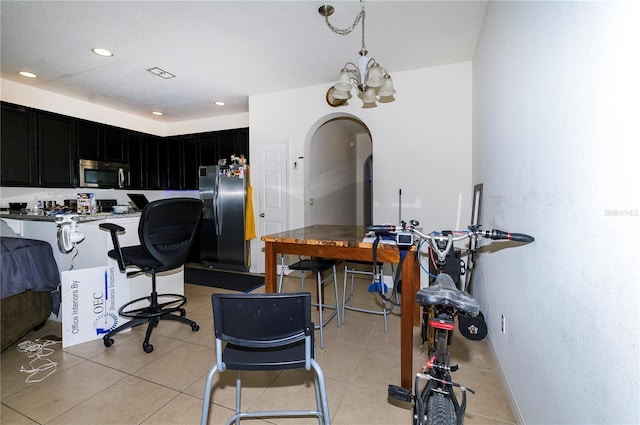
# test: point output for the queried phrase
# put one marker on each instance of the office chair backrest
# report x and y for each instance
(262, 320)
(168, 227)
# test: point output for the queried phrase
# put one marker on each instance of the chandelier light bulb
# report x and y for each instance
(344, 80)
(340, 94)
(375, 76)
(387, 88)
(369, 96)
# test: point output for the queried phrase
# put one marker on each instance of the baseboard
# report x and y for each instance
(505, 383)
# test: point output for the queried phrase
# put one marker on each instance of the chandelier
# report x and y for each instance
(372, 81)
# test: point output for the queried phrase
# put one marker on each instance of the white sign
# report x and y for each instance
(90, 302)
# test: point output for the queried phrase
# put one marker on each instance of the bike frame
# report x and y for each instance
(438, 324)
(435, 399)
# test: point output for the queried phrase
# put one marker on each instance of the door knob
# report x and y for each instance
(262, 215)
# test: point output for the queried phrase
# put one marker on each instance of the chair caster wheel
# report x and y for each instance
(108, 342)
(148, 348)
(195, 327)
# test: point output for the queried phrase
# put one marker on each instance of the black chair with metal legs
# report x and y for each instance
(264, 332)
(318, 266)
(166, 230)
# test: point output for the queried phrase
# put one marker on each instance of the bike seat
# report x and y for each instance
(444, 292)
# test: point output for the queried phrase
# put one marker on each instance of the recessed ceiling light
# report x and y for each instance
(102, 52)
(27, 74)
(156, 113)
(219, 103)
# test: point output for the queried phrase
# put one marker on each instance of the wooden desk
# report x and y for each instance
(345, 242)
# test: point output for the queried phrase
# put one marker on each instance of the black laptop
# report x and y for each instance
(138, 199)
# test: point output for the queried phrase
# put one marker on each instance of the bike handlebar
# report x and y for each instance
(382, 228)
(494, 234)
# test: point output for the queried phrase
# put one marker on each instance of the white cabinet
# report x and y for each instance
(88, 253)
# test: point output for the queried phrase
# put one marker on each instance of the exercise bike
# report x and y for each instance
(433, 397)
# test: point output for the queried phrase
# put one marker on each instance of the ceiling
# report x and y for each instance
(218, 50)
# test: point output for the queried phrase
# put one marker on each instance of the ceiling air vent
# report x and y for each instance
(161, 73)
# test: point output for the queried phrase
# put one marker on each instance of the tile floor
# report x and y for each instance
(123, 385)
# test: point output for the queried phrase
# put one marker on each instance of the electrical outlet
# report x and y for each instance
(502, 324)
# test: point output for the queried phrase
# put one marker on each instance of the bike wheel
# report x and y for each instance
(440, 410)
(418, 412)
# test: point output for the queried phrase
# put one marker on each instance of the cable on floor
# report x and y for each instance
(38, 350)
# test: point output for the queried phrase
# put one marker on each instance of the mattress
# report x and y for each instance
(27, 264)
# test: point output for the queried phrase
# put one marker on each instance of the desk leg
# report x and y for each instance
(270, 268)
(410, 283)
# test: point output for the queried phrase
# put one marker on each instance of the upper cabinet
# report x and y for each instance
(56, 144)
(190, 161)
(100, 142)
(218, 145)
(114, 144)
(38, 148)
(18, 146)
(42, 149)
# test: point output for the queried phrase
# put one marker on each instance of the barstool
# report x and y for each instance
(318, 266)
(374, 273)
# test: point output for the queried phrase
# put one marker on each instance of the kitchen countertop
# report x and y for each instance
(81, 217)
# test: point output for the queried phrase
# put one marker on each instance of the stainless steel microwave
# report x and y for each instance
(103, 174)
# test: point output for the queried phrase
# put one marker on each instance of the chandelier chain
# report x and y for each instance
(347, 30)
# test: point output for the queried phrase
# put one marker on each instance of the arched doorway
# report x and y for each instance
(338, 174)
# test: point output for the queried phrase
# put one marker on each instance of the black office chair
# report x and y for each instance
(265, 332)
(167, 230)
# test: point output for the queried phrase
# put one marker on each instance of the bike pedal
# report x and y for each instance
(400, 393)
(454, 367)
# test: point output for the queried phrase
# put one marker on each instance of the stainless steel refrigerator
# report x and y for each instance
(222, 233)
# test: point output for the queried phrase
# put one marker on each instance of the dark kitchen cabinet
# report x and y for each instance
(233, 142)
(137, 154)
(171, 153)
(163, 163)
(208, 149)
(190, 162)
(42, 149)
(89, 140)
(242, 142)
(100, 142)
(114, 144)
(226, 141)
(153, 170)
(218, 145)
(18, 146)
(57, 149)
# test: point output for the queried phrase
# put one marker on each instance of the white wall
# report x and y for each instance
(330, 183)
(555, 113)
(421, 142)
(363, 151)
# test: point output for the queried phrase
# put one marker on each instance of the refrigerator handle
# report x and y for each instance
(217, 214)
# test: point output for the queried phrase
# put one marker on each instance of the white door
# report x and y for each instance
(273, 196)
